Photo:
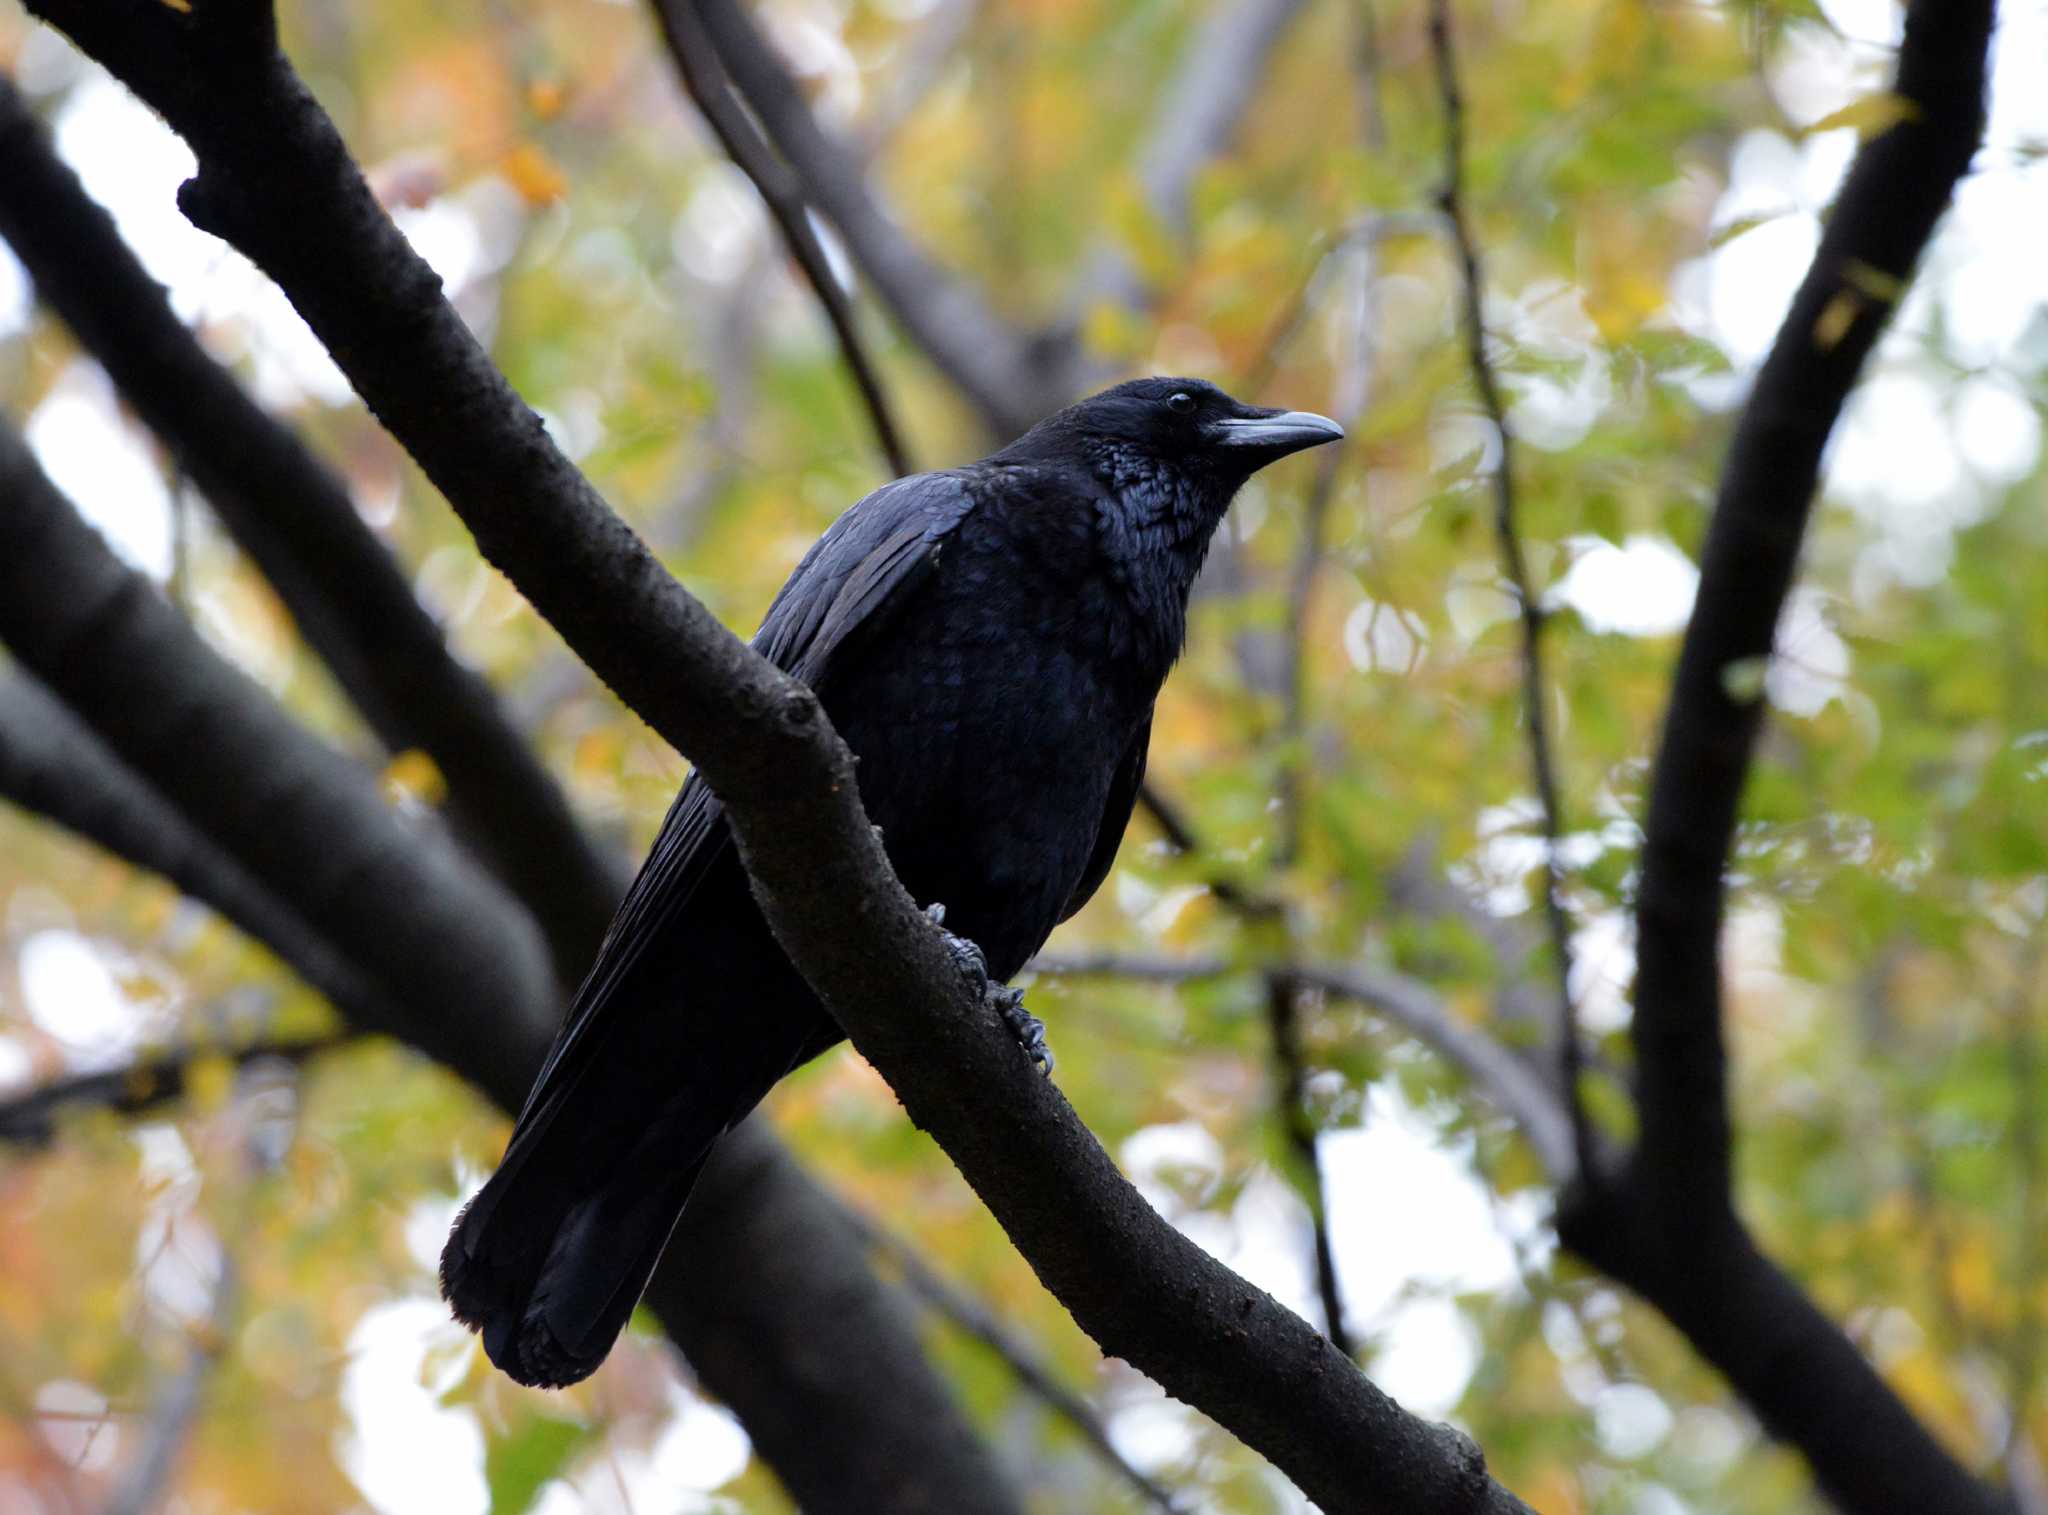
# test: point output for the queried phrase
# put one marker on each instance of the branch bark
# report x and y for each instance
(276, 179)
(1666, 1224)
(293, 516)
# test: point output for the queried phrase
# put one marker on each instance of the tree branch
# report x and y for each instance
(30, 1119)
(1283, 1024)
(1037, 1376)
(276, 179)
(295, 519)
(101, 636)
(146, 1482)
(705, 79)
(1413, 1006)
(50, 763)
(1667, 1224)
(1011, 378)
(1534, 685)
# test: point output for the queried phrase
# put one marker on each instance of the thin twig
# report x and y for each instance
(978, 1321)
(1175, 829)
(705, 78)
(146, 1482)
(1283, 1020)
(1451, 198)
(1498, 1073)
(30, 1118)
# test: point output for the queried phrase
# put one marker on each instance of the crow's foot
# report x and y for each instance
(1008, 1003)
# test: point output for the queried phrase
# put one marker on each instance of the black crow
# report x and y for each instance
(989, 640)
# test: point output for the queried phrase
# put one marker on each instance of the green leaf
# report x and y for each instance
(518, 1467)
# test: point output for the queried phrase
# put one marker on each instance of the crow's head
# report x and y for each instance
(1174, 448)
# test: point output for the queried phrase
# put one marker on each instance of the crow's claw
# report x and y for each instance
(1026, 1027)
(1008, 1002)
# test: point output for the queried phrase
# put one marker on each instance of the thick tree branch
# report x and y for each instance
(1010, 377)
(277, 180)
(821, 1361)
(216, 747)
(50, 763)
(1542, 759)
(294, 517)
(1667, 1225)
(704, 77)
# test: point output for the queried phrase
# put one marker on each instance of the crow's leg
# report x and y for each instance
(1008, 1003)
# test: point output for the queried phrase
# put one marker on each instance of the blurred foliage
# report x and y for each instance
(1887, 1002)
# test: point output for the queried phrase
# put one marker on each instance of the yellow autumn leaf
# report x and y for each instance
(1836, 317)
(1872, 115)
(534, 174)
(413, 775)
(208, 1079)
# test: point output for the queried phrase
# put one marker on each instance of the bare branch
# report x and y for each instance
(1283, 1024)
(145, 1483)
(275, 179)
(1012, 378)
(149, 1082)
(1666, 1225)
(1173, 825)
(1417, 1009)
(1036, 1375)
(294, 517)
(1534, 686)
(705, 79)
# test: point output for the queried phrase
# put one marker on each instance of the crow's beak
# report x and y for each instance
(1276, 433)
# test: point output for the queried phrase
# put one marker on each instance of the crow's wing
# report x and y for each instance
(1116, 815)
(848, 585)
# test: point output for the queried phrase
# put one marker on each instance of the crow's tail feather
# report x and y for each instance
(550, 1257)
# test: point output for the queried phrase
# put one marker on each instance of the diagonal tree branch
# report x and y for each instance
(1010, 377)
(295, 519)
(276, 179)
(1542, 759)
(704, 77)
(1667, 1225)
(1037, 1376)
(50, 763)
(101, 636)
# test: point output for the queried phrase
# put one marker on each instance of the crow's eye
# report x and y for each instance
(1181, 403)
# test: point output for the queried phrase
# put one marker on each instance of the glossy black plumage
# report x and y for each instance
(990, 641)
